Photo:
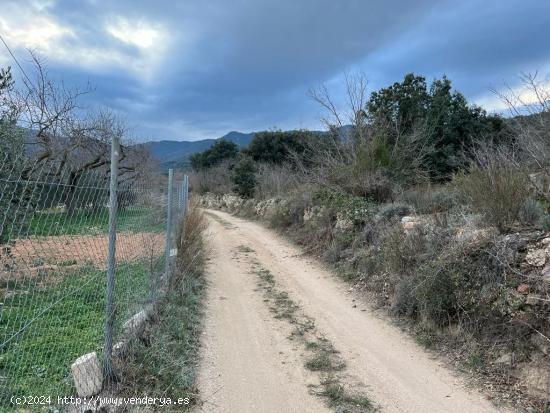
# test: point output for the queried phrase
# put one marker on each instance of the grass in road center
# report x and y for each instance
(323, 357)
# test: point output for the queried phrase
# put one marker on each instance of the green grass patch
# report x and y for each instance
(45, 330)
(312, 345)
(321, 361)
(244, 249)
(324, 358)
(340, 399)
(130, 219)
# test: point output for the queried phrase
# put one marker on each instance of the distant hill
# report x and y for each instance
(173, 154)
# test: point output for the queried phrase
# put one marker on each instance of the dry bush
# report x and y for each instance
(216, 180)
(190, 259)
(496, 186)
(436, 279)
(402, 251)
(291, 213)
(340, 165)
(276, 181)
(356, 159)
(430, 200)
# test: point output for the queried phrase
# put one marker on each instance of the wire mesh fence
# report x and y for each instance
(54, 241)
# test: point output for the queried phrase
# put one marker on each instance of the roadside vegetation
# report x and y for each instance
(162, 360)
(436, 210)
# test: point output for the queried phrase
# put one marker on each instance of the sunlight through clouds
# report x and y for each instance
(138, 34)
(138, 49)
(40, 33)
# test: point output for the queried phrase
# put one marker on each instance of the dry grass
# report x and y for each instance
(163, 360)
(496, 186)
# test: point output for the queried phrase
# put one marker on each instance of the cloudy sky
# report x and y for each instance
(196, 69)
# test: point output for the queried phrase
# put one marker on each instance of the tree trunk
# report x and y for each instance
(70, 201)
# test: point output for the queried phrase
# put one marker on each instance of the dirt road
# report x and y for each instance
(250, 365)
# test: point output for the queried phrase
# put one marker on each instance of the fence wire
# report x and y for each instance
(53, 261)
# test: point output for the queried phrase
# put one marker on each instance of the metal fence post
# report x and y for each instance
(169, 223)
(185, 194)
(111, 261)
(182, 198)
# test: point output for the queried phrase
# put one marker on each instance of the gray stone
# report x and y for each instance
(135, 324)
(537, 257)
(87, 375)
(504, 359)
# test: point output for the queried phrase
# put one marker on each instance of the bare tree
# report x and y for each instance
(529, 108)
(356, 95)
(67, 142)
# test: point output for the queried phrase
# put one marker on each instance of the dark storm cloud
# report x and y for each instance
(477, 44)
(219, 65)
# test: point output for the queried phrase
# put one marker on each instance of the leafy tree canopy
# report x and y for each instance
(444, 119)
(277, 146)
(220, 151)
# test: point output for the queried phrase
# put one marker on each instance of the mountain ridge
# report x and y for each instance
(171, 153)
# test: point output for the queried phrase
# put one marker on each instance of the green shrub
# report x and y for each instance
(531, 212)
(404, 301)
(356, 209)
(281, 218)
(390, 211)
(278, 147)
(244, 178)
(434, 291)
